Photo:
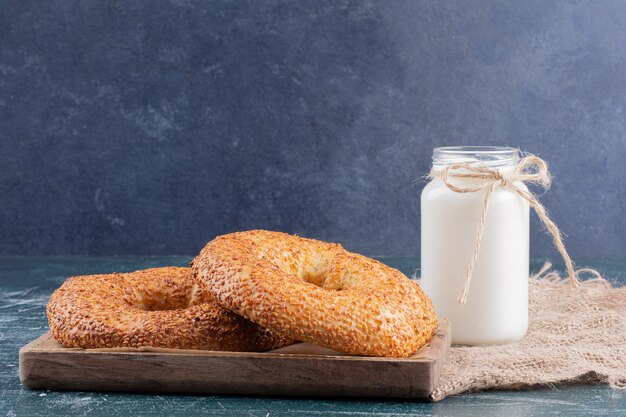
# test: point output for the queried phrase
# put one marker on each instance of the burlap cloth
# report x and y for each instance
(574, 336)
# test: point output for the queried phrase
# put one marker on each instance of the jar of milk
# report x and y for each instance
(496, 307)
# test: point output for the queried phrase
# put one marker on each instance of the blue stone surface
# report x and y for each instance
(132, 127)
(26, 284)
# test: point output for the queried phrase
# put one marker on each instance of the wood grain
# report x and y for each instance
(295, 370)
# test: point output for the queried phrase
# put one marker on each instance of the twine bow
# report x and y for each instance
(531, 169)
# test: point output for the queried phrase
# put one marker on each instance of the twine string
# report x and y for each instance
(530, 169)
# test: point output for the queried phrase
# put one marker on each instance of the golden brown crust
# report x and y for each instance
(160, 307)
(317, 292)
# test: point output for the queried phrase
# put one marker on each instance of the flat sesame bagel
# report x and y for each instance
(317, 292)
(160, 307)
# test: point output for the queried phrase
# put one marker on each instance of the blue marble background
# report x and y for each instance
(149, 127)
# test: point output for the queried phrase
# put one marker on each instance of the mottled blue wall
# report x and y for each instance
(149, 127)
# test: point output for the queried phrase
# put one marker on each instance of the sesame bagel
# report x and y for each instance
(160, 307)
(317, 292)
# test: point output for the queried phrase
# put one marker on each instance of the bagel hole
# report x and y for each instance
(158, 301)
(161, 305)
(317, 272)
(314, 278)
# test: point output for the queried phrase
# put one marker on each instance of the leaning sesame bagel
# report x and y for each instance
(160, 307)
(317, 292)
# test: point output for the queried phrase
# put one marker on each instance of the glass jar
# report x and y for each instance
(496, 310)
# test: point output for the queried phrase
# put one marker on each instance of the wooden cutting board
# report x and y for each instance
(300, 369)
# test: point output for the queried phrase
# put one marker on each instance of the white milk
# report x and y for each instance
(497, 306)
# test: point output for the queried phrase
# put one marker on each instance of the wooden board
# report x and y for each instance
(299, 369)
